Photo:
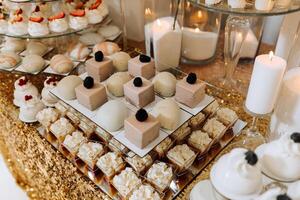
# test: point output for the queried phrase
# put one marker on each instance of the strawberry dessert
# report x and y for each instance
(37, 25)
(17, 25)
(93, 14)
(58, 23)
(23, 87)
(78, 19)
(30, 107)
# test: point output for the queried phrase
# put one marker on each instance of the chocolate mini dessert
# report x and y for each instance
(141, 129)
(141, 65)
(91, 94)
(99, 67)
(190, 91)
(139, 92)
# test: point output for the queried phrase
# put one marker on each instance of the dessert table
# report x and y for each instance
(44, 173)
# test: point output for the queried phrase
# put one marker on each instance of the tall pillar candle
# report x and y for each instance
(265, 83)
(287, 111)
(166, 43)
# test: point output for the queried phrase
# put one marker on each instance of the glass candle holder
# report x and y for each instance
(200, 35)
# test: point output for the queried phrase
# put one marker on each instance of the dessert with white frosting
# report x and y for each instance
(126, 182)
(86, 126)
(141, 129)
(89, 152)
(103, 9)
(13, 44)
(3, 24)
(107, 48)
(61, 64)
(91, 38)
(23, 87)
(197, 120)
(9, 60)
(99, 67)
(17, 25)
(30, 108)
(140, 164)
(33, 63)
(111, 115)
(37, 26)
(168, 113)
(61, 107)
(264, 5)
(37, 48)
(115, 83)
(120, 60)
(73, 142)
(211, 108)
(48, 98)
(61, 128)
(109, 31)
(214, 128)
(182, 156)
(237, 175)
(66, 87)
(110, 164)
(58, 23)
(199, 140)
(78, 20)
(237, 3)
(281, 153)
(145, 192)
(47, 116)
(93, 14)
(139, 92)
(163, 147)
(142, 65)
(226, 116)
(160, 175)
(165, 84)
(78, 52)
(190, 91)
(103, 135)
(212, 2)
(91, 94)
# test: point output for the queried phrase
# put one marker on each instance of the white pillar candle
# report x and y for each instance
(265, 83)
(237, 3)
(166, 43)
(287, 112)
(283, 3)
(249, 46)
(264, 5)
(198, 45)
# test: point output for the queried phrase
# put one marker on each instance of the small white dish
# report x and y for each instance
(203, 191)
(49, 70)
(24, 53)
(26, 121)
(21, 69)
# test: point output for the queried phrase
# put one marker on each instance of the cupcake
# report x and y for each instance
(94, 15)
(37, 26)
(280, 159)
(58, 23)
(17, 26)
(47, 98)
(23, 87)
(78, 20)
(237, 175)
(30, 108)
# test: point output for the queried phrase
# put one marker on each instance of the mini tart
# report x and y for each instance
(139, 164)
(110, 164)
(160, 175)
(61, 128)
(126, 182)
(89, 152)
(47, 116)
(226, 116)
(200, 141)
(214, 128)
(145, 192)
(74, 141)
(182, 156)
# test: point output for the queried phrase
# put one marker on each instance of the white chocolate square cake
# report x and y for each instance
(61, 128)
(226, 116)
(110, 163)
(138, 163)
(145, 192)
(89, 152)
(181, 155)
(73, 142)
(160, 175)
(47, 116)
(199, 140)
(214, 128)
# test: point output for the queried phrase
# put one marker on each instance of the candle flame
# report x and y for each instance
(197, 30)
(148, 11)
(158, 22)
(200, 14)
(188, 4)
(271, 55)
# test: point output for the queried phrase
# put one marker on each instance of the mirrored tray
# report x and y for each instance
(249, 10)
(70, 31)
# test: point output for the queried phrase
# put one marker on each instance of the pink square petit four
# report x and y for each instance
(141, 65)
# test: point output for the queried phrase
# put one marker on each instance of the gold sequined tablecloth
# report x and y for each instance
(43, 172)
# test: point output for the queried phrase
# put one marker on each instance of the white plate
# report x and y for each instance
(11, 69)
(26, 121)
(112, 38)
(24, 53)
(49, 70)
(202, 191)
(21, 69)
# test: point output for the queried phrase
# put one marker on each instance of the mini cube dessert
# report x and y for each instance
(141, 129)
(145, 192)
(181, 133)
(226, 116)
(182, 156)
(211, 108)
(61, 128)
(196, 121)
(163, 147)
(189, 91)
(62, 108)
(110, 164)
(160, 176)
(89, 152)
(139, 92)
(47, 116)
(140, 164)
(91, 94)
(214, 128)
(126, 182)
(199, 140)
(141, 65)
(99, 68)
(73, 142)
